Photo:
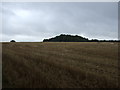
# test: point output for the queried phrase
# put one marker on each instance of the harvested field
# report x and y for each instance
(60, 65)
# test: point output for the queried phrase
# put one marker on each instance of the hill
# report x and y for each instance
(74, 38)
(66, 38)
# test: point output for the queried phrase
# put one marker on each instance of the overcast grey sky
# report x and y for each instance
(38, 21)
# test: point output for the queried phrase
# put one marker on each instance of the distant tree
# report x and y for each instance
(94, 40)
(12, 41)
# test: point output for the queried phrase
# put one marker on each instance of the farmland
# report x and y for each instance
(59, 65)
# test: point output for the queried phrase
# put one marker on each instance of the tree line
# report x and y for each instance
(74, 38)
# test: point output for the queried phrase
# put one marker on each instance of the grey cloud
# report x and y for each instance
(36, 21)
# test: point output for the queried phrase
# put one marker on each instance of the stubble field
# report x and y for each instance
(60, 65)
